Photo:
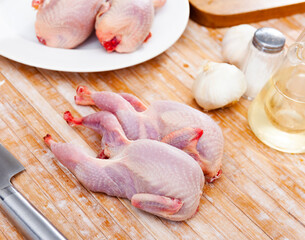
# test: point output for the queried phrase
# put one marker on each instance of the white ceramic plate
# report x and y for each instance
(18, 40)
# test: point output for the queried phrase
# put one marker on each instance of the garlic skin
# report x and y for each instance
(218, 85)
(235, 44)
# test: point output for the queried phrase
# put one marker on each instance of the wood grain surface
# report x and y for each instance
(224, 13)
(261, 194)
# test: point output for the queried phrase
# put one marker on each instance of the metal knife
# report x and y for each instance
(32, 224)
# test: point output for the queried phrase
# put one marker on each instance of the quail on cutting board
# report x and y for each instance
(156, 177)
(165, 121)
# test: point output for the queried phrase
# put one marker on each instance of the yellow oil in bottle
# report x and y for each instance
(278, 118)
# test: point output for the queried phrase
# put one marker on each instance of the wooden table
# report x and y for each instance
(261, 194)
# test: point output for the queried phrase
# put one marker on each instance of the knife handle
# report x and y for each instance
(26, 218)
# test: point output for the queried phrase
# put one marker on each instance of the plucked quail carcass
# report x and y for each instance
(65, 23)
(165, 121)
(123, 25)
(156, 177)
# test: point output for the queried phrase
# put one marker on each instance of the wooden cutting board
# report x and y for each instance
(261, 194)
(224, 13)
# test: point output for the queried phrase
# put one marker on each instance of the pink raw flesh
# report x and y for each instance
(48, 139)
(41, 40)
(111, 44)
(148, 37)
(215, 177)
(36, 3)
(162, 121)
(71, 120)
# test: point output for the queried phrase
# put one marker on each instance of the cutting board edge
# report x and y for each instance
(214, 20)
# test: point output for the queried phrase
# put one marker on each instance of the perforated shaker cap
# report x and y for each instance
(268, 40)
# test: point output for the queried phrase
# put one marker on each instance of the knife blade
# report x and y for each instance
(31, 223)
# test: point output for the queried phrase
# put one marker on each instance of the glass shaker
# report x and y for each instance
(277, 114)
(263, 57)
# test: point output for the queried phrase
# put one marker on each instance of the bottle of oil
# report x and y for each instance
(277, 114)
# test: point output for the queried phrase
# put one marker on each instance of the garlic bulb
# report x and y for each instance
(218, 85)
(236, 42)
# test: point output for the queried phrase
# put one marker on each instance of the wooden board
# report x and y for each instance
(261, 194)
(224, 13)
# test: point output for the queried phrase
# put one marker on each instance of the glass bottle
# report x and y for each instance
(263, 57)
(277, 115)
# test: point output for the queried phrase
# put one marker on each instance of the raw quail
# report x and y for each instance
(65, 23)
(156, 177)
(123, 25)
(165, 121)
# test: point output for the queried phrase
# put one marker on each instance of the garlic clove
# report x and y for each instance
(218, 85)
(236, 42)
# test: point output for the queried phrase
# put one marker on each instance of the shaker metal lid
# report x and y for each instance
(268, 40)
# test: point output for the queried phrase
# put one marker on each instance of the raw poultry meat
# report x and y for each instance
(123, 25)
(165, 121)
(158, 3)
(155, 176)
(65, 24)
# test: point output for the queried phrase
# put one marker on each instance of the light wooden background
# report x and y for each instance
(261, 194)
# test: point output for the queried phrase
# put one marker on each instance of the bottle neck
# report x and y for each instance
(301, 52)
(296, 53)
